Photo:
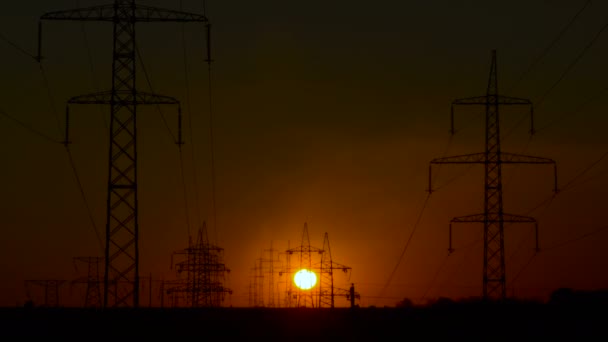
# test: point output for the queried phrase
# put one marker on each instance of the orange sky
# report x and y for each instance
(327, 114)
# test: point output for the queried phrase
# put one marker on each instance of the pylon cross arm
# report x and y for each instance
(512, 158)
(469, 218)
(512, 218)
(142, 98)
(474, 158)
(500, 99)
(108, 13)
(154, 14)
(481, 218)
(95, 13)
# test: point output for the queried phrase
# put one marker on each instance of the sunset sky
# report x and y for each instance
(325, 112)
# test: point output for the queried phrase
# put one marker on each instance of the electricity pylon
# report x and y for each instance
(493, 217)
(205, 271)
(327, 290)
(121, 273)
(92, 280)
(271, 274)
(51, 290)
(305, 253)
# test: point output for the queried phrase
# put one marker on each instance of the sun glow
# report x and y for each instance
(305, 279)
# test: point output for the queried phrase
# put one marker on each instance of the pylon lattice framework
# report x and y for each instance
(92, 281)
(493, 217)
(323, 294)
(303, 298)
(121, 272)
(205, 271)
(327, 291)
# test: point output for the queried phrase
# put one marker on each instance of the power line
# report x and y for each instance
(92, 70)
(48, 138)
(468, 250)
(186, 206)
(191, 135)
(574, 112)
(84, 199)
(559, 245)
(160, 112)
(546, 50)
(45, 82)
(569, 67)
(576, 239)
(212, 154)
(28, 127)
(211, 138)
(71, 160)
(585, 170)
(432, 282)
(16, 47)
(407, 244)
(573, 64)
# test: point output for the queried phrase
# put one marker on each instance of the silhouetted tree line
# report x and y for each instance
(559, 297)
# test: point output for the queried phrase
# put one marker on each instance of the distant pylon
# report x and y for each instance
(205, 272)
(259, 267)
(493, 217)
(305, 261)
(92, 280)
(327, 290)
(51, 290)
(271, 274)
(121, 275)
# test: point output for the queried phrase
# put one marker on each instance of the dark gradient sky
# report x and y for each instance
(326, 112)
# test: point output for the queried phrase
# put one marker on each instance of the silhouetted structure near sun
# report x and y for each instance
(319, 261)
(121, 275)
(205, 275)
(304, 254)
(493, 217)
(327, 291)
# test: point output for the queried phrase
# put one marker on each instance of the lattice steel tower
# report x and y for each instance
(327, 290)
(305, 254)
(92, 297)
(493, 217)
(205, 271)
(121, 276)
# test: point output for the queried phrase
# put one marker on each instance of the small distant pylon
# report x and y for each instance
(270, 271)
(493, 217)
(305, 256)
(93, 298)
(51, 291)
(259, 281)
(205, 273)
(327, 290)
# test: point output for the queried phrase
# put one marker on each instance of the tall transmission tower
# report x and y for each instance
(93, 281)
(305, 253)
(493, 217)
(51, 290)
(121, 273)
(327, 290)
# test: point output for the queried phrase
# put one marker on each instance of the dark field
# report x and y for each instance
(506, 321)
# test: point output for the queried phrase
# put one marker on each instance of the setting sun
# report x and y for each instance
(305, 279)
